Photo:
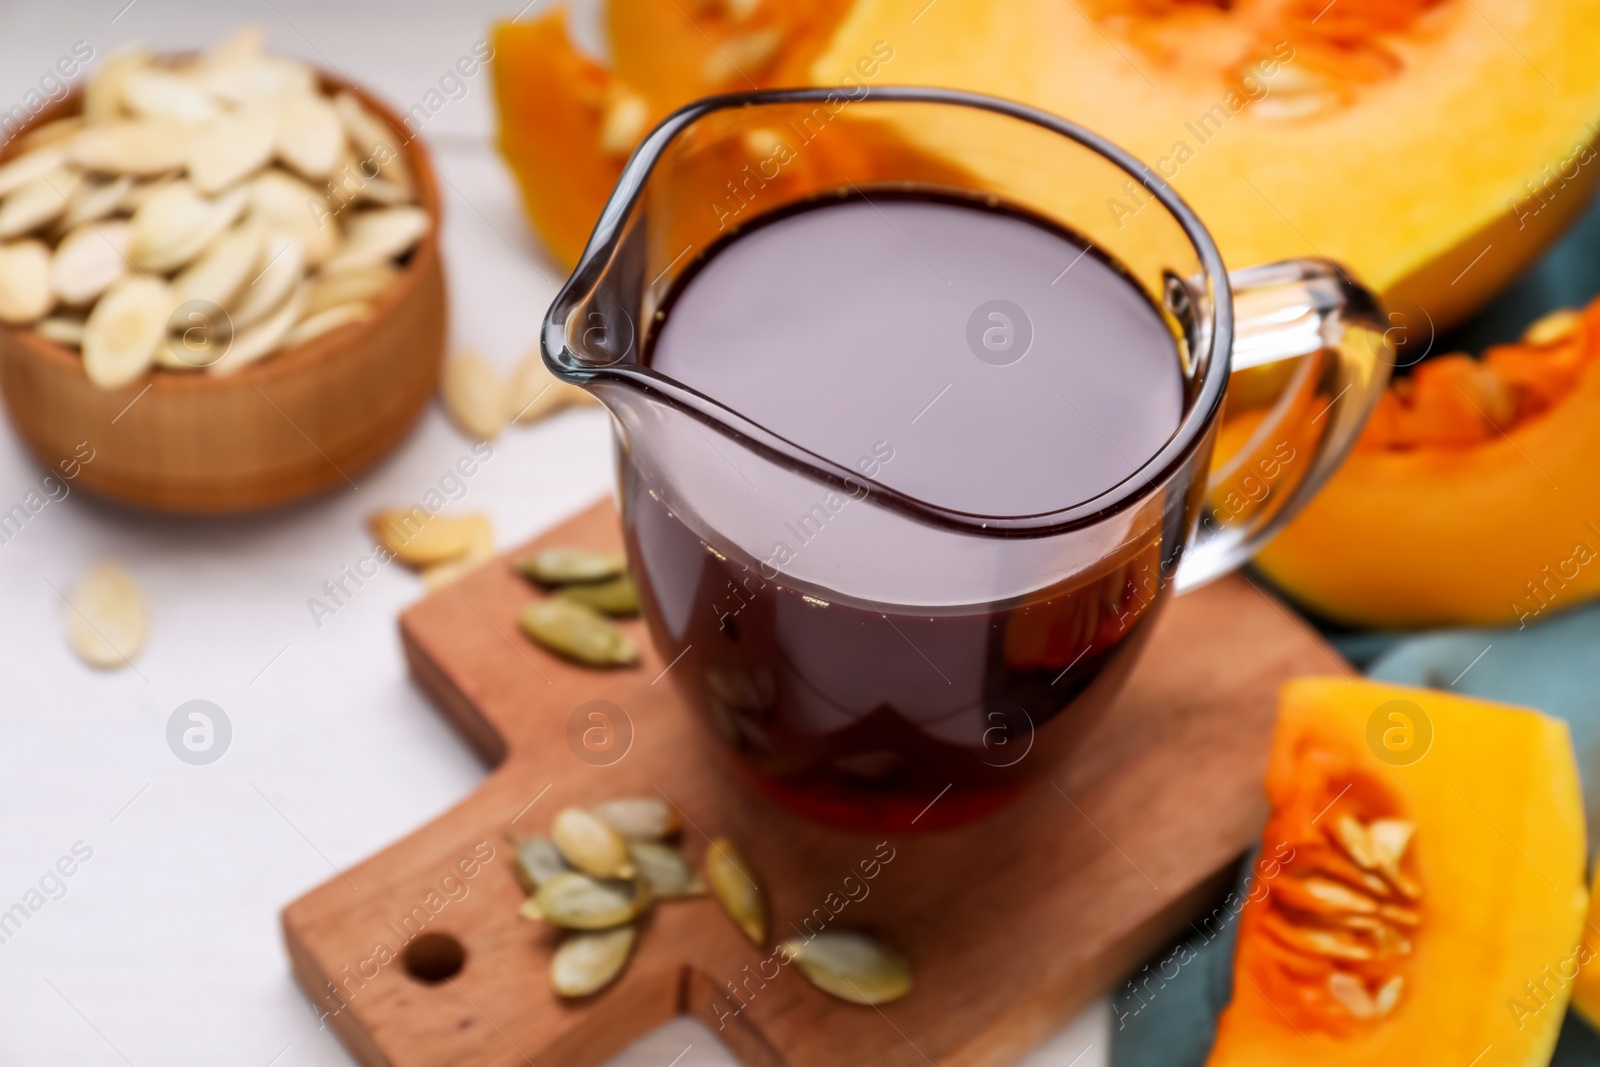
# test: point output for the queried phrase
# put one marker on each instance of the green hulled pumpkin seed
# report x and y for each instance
(640, 818)
(591, 844)
(587, 962)
(851, 966)
(617, 597)
(738, 889)
(535, 860)
(563, 566)
(664, 867)
(579, 902)
(578, 632)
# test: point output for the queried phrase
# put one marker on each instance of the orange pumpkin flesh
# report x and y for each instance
(679, 50)
(1409, 909)
(1400, 138)
(1471, 497)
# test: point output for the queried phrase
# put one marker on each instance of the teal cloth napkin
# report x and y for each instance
(1553, 666)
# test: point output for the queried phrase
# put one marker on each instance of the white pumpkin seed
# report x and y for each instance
(153, 93)
(590, 844)
(16, 173)
(259, 78)
(380, 234)
(92, 201)
(54, 132)
(473, 396)
(124, 329)
(170, 228)
(357, 285)
(223, 269)
(740, 55)
(579, 902)
(37, 203)
(565, 564)
(231, 147)
(62, 330)
(670, 876)
(309, 134)
(261, 337)
(578, 633)
(139, 148)
(89, 261)
(640, 818)
(24, 281)
(419, 538)
(276, 273)
(479, 551)
(534, 392)
(1388, 996)
(326, 321)
(384, 192)
(373, 139)
(535, 860)
(102, 94)
(243, 45)
(1351, 835)
(106, 617)
(141, 193)
(587, 962)
(851, 966)
(284, 203)
(1554, 327)
(624, 122)
(737, 889)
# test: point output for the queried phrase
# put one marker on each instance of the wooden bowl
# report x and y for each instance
(300, 421)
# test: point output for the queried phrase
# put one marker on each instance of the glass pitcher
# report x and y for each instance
(918, 666)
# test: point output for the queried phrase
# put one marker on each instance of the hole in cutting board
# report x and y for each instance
(432, 958)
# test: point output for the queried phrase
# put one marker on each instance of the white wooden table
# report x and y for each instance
(163, 948)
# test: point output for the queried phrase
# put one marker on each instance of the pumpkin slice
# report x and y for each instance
(1586, 990)
(1427, 896)
(553, 103)
(1434, 146)
(1471, 496)
(567, 123)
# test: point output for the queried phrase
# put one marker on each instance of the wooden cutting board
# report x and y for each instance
(1012, 925)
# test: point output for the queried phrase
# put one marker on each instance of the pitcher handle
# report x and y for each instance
(1312, 353)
